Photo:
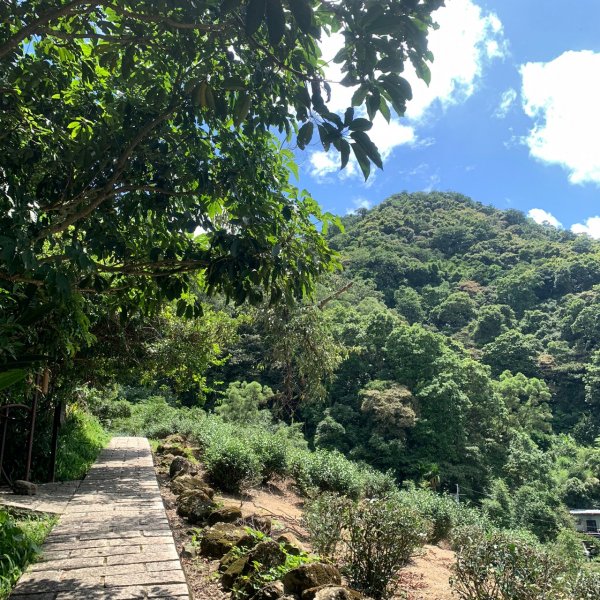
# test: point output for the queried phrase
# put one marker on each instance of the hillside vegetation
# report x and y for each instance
(463, 349)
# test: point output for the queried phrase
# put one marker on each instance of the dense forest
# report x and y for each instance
(459, 346)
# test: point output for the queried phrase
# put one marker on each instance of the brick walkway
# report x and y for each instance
(113, 542)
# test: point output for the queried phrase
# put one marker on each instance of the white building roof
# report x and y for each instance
(593, 511)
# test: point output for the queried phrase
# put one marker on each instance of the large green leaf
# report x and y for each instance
(255, 14)
(10, 378)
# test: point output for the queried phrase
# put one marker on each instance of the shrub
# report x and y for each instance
(506, 565)
(271, 452)
(381, 536)
(232, 465)
(106, 405)
(324, 517)
(325, 471)
(585, 586)
(440, 510)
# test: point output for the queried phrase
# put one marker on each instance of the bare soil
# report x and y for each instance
(428, 575)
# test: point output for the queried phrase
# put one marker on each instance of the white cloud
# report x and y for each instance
(359, 203)
(324, 163)
(562, 97)
(543, 217)
(467, 39)
(591, 227)
(506, 103)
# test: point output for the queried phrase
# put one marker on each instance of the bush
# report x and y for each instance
(106, 405)
(271, 452)
(325, 471)
(506, 565)
(324, 518)
(232, 465)
(381, 536)
(371, 538)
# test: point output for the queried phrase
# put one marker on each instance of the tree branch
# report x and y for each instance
(107, 191)
(12, 42)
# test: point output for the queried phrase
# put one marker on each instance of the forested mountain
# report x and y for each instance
(461, 345)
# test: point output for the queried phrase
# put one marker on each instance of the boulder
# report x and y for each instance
(233, 571)
(272, 591)
(219, 539)
(189, 551)
(269, 554)
(331, 592)
(228, 559)
(225, 514)
(291, 544)
(185, 482)
(195, 506)
(181, 466)
(174, 449)
(24, 488)
(260, 523)
(309, 576)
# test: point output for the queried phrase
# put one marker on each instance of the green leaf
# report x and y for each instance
(325, 139)
(345, 153)
(275, 21)
(255, 14)
(390, 63)
(305, 135)
(361, 124)
(242, 108)
(348, 116)
(373, 104)
(303, 14)
(384, 109)
(363, 140)
(10, 378)
(229, 5)
(359, 95)
(363, 160)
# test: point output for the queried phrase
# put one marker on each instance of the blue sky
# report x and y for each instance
(511, 118)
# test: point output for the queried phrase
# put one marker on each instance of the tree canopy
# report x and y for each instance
(142, 142)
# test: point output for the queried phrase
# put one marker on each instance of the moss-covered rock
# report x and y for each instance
(225, 514)
(331, 592)
(233, 571)
(181, 466)
(185, 482)
(269, 554)
(195, 506)
(309, 576)
(291, 544)
(260, 523)
(271, 591)
(219, 539)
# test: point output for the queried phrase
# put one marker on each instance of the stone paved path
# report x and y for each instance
(50, 497)
(113, 542)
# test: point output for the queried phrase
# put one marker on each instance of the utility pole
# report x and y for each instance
(457, 495)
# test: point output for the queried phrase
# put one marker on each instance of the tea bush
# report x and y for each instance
(371, 538)
(507, 565)
(324, 518)
(381, 535)
(232, 465)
